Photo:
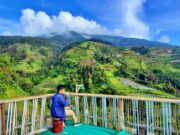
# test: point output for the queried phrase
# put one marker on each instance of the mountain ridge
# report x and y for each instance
(116, 40)
(71, 37)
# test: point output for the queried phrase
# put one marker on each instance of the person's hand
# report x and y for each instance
(67, 93)
(67, 107)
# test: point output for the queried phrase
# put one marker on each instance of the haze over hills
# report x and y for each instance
(114, 40)
(35, 65)
(70, 37)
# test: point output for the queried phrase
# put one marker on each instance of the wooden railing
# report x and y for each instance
(134, 114)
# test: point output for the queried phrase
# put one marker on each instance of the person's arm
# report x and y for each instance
(63, 102)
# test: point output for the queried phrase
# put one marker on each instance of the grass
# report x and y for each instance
(11, 92)
(126, 90)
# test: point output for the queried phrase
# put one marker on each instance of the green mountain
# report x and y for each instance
(72, 37)
(33, 67)
(62, 41)
(122, 41)
(21, 67)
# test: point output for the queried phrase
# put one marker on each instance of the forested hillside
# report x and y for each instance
(107, 69)
(32, 66)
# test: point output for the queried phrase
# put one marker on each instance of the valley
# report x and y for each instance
(34, 67)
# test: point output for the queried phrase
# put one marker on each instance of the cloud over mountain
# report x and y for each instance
(33, 23)
(132, 25)
(165, 39)
(36, 23)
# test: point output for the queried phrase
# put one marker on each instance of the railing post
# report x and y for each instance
(120, 108)
(3, 128)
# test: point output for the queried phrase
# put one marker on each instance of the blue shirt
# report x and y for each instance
(57, 106)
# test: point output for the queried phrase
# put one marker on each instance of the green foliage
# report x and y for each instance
(30, 69)
(143, 50)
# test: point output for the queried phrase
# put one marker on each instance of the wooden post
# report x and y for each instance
(120, 108)
(3, 128)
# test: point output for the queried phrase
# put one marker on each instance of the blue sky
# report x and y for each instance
(150, 19)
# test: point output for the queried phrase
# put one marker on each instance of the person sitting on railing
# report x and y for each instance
(59, 101)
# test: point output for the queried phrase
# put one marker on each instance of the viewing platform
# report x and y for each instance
(98, 113)
(84, 129)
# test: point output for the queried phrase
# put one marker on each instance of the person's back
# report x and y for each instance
(58, 114)
(57, 106)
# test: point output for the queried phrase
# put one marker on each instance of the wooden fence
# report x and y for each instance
(136, 115)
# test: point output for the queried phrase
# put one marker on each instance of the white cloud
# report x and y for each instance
(40, 23)
(80, 24)
(36, 23)
(158, 31)
(132, 25)
(165, 39)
